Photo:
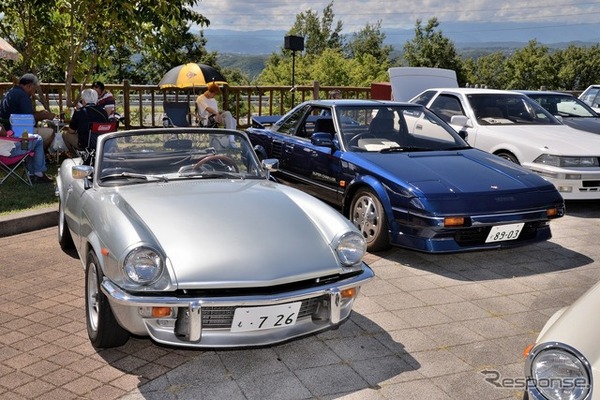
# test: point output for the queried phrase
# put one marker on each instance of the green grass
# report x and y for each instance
(16, 196)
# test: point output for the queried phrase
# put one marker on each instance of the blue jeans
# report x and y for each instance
(37, 164)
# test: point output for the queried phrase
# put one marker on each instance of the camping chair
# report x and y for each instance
(10, 165)
(177, 114)
(96, 129)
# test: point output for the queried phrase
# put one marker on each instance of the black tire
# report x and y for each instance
(367, 214)
(508, 156)
(64, 235)
(103, 329)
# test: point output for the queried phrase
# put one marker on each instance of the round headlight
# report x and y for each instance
(559, 374)
(143, 265)
(351, 248)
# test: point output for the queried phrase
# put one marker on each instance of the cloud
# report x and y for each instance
(250, 15)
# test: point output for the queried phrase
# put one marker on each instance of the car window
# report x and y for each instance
(446, 106)
(292, 121)
(565, 106)
(508, 109)
(590, 96)
(399, 128)
(424, 98)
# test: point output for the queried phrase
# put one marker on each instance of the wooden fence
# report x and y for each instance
(141, 105)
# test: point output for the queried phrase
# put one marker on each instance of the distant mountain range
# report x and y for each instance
(464, 35)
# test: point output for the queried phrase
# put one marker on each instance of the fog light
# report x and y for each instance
(573, 176)
(552, 212)
(565, 189)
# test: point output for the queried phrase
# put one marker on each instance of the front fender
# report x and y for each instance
(367, 181)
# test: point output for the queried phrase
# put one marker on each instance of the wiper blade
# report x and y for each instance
(135, 176)
(400, 149)
(458, 148)
(212, 174)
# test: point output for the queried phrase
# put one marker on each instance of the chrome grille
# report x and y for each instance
(221, 317)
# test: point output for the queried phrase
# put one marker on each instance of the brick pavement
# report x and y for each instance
(425, 328)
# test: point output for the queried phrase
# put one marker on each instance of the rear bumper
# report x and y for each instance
(191, 322)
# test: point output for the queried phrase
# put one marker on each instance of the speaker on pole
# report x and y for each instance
(295, 43)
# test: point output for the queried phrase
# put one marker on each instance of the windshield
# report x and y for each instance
(565, 106)
(395, 128)
(176, 153)
(508, 109)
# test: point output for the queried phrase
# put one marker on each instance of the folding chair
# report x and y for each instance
(96, 129)
(10, 165)
(178, 114)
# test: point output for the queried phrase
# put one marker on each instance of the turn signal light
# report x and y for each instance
(161, 312)
(454, 221)
(527, 350)
(552, 212)
(349, 293)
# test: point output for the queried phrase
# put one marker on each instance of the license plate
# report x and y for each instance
(501, 233)
(258, 318)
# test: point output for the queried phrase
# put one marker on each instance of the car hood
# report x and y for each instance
(582, 314)
(584, 124)
(236, 233)
(559, 140)
(452, 173)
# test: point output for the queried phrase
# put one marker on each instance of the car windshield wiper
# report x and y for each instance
(135, 176)
(212, 174)
(400, 149)
(458, 148)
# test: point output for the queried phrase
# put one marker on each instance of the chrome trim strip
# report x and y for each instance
(335, 306)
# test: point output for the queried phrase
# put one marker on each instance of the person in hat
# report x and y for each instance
(18, 101)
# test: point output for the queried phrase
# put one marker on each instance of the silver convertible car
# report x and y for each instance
(184, 238)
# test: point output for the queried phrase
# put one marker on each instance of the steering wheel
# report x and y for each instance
(353, 142)
(218, 158)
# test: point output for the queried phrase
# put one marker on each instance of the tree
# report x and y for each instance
(78, 37)
(369, 40)
(530, 68)
(431, 49)
(489, 71)
(578, 67)
(318, 35)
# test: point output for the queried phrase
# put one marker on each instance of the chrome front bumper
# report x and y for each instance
(186, 328)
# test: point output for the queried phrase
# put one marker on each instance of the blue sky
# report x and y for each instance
(248, 15)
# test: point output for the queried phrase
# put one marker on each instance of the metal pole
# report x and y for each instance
(293, 75)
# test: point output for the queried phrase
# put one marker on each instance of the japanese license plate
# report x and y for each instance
(258, 318)
(500, 233)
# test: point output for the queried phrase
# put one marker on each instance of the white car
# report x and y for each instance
(513, 126)
(564, 362)
(591, 97)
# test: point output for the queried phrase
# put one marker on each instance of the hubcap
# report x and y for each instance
(92, 297)
(365, 217)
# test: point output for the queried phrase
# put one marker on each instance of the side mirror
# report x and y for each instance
(322, 139)
(461, 120)
(270, 165)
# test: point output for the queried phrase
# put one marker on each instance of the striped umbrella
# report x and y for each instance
(8, 52)
(191, 75)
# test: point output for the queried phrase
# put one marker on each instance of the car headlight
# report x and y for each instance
(143, 265)
(560, 373)
(567, 161)
(350, 248)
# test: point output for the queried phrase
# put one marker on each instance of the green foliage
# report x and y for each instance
(318, 34)
(531, 67)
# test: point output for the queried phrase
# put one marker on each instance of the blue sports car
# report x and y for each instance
(404, 177)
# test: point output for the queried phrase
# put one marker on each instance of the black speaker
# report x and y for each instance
(295, 43)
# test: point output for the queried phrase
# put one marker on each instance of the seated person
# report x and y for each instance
(36, 166)
(77, 136)
(18, 101)
(208, 109)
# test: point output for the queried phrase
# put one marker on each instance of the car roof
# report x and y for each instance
(354, 102)
(544, 93)
(474, 90)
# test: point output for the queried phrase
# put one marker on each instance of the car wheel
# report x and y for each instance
(366, 213)
(103, 329)
(64, 236)
(508, 156)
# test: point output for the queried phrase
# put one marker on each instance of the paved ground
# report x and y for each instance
(426, 328)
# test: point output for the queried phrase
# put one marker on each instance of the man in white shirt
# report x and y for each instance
(207, 106)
